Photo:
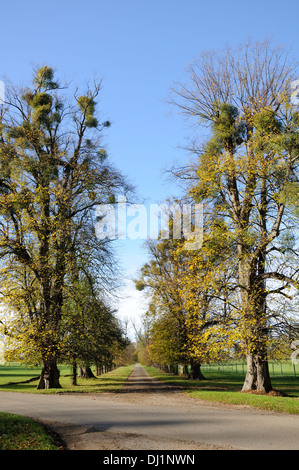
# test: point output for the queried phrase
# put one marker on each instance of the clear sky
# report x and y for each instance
(139, 48)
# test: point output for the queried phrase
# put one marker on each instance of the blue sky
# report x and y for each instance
(139, 48)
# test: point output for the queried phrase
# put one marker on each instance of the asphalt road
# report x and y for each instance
(150, 415)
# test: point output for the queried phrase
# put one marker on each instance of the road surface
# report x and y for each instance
(149, 415)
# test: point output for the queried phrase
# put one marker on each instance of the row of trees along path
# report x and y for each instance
(55, 274)
(233, 294)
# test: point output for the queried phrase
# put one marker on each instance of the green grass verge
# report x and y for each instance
(20, 433)
(224, 387)
(109, 382)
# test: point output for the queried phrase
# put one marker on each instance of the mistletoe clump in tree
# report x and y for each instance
(53, 173)
(246, 173)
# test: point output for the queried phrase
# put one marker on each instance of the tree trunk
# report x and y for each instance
(257, 375)
(195, 372)
(74, 374)
(50, 375)
(183, 369)
(86, 372)
(255, 332)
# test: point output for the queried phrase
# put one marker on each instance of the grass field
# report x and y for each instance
(224, 387)
(11, 375)
(276, 368)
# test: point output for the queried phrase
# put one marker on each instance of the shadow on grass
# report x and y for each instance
(84, 385)
(224, 381)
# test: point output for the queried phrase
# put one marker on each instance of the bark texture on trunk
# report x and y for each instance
(86, 372)
(183, 369)
(257, 375)
(49, 376)
(74, 373)
(255, 331)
